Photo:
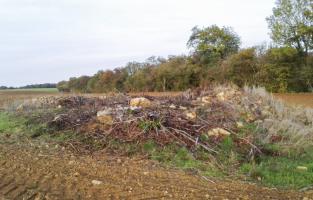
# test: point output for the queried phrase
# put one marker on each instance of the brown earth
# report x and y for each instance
(32, 170)
(300, 99)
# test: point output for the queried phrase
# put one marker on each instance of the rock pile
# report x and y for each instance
(216, 112)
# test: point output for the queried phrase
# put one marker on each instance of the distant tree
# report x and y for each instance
(306, 74)
(292, 24)
(78, 84)
(44, 85)
(213, 43)
(243, 67)
(63, 86)
(279, 71)
(133, 67)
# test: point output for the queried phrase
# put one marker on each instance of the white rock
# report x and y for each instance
(239, 125)
(221, 96)
(104, 112)
(191, 115)
(172, 106)
(96, 182)
(182, 108)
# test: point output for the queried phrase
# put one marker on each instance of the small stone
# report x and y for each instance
(76, 174)
(218, 132)
(191, 115)
(71, 162)
(104, 117)
(182, 108)
(119, 161)
(206, 99)
(302, 168)
(250, 118)
(239, 125)
(145, 173)
(96, 182)
(140, 102)
(20, 107)
(172, 106)
(221, 96)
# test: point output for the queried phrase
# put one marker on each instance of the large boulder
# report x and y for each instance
(140, 102)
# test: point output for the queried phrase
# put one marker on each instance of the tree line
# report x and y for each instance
(216, 56)
(44, 85)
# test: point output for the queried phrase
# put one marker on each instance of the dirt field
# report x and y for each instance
(8, 96)
(297, 99)
(30, 170)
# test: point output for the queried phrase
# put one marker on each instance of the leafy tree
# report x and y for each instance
(279, 70)
(243, 67)
(306, 73)
(78, 84)
(292, 24)
(213, 43)
(63, 86)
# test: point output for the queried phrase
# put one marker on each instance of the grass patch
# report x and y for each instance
(282, 171)
(29, 127)
(10, 124)
(147, 125)
(176, 156)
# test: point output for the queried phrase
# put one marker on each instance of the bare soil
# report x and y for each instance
(32, 170)
(301, 99)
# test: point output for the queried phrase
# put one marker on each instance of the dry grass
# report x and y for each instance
(156, 94)
(293, 124)
(19, 96)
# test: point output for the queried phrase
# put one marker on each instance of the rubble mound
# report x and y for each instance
(193, 119)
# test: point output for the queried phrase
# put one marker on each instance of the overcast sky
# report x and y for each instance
(52, 40)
